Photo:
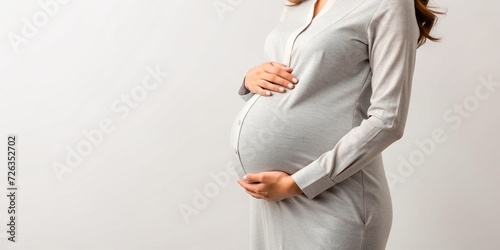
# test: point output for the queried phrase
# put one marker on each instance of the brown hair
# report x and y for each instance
(426, 18)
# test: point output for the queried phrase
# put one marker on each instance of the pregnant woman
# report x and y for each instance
(332, 96)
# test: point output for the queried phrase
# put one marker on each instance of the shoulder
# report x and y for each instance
(394, 12)
(394, 5)
(393, 21)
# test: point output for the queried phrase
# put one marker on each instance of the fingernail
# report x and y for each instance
(268, 92)
(290, 85)
(245, 177)
(282, 89)
(294, 80)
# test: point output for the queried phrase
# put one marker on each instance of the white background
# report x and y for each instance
(127, 191)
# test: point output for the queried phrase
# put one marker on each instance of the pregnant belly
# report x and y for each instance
(276, 134)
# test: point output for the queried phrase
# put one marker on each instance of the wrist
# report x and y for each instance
(293, 188)
(245, 83)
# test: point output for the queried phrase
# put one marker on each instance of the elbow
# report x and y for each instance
(390, 124)
(393, 127)
(396, 131)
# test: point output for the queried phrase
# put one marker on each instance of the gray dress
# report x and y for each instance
(355, 62)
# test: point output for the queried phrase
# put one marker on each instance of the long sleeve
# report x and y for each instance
(244, 92)
(392, 43)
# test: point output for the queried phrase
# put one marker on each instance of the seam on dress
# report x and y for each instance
(329, 26)
(282, 238)
(404, 73)
(239, 133)
(359, 97)
(368, 37)
(364, 202)
(374, 14)
(288, 50)
(264, 219)
(363, 238)
(364, 210)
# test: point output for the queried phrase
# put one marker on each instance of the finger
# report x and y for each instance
(257, 196)
(280, 76)
(284, 66)
(278, 63)
(251, 186)
(273, 87)
(274, 82)
(258, 188)
(253, 178)
(262, 91)
(264, 194)
(270, 86)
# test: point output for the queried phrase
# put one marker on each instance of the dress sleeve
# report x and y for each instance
(392, 43)
(244, 92)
